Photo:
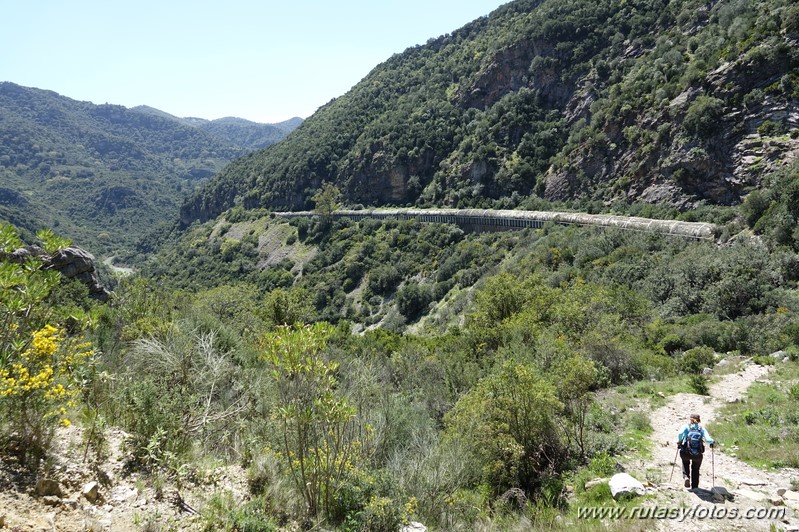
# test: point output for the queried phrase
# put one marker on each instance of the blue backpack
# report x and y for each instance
(693, 441)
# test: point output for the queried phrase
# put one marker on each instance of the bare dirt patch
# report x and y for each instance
(126, 501)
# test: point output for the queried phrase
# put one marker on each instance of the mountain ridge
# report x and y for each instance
(102, 174)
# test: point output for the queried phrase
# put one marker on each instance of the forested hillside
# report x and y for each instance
(678, 103)
(266, 373)
(102, 174)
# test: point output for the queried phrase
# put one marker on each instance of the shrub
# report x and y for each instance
(382, 514)
(703, 116)
(384, 279)
(769, 128)
(38, 362)
(317, 423)
(36, 387)
(695, 360)
(639, 421)
(223, 512)
(413, 299)
(508, 422)
(168, 395)
(699, 384)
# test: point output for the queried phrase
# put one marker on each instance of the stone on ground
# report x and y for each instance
(622, 484)
(720, 494)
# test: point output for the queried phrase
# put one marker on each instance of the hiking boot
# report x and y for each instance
(687, 482)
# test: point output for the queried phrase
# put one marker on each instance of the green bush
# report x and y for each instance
(770, 128)
(413, 299)
(223, 512)
(384, 279)
(382, 514)
(639, 421)
(508, 423)
(703, 116)
(699, 384)
(695, 360)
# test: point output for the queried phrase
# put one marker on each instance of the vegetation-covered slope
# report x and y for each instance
(104, 174)
(661, 102)
(474, 378)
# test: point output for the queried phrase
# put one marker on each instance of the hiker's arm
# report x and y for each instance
(681, 435)
(708, 439)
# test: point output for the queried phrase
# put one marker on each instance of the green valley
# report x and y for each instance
(105, 175)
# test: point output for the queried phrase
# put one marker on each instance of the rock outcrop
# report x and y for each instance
(71, 262)
(76, 263)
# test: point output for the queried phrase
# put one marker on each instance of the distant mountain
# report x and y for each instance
(104, 175)
(670, 103)
(248, 134)
(237, 131)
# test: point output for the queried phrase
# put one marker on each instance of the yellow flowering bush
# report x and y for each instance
(37, 387)
(37, 360)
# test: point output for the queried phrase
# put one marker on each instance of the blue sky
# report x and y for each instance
(264, 61)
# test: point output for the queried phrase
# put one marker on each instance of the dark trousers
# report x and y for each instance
(690, 466)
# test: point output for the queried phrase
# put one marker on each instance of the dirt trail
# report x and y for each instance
(749, 487)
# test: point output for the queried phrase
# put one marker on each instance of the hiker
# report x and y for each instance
(690, 441)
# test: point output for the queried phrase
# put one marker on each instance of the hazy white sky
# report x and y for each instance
(265, 61)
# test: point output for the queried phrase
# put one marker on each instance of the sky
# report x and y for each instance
(265, 61)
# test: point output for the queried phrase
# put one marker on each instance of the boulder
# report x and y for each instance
(413, 526)
(91, 492)
(623, 484)
(71, 262)
(51, 500)
(720, 494)
(76, 263)
(46, 487)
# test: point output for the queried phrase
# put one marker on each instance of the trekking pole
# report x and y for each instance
(713, 463)
(673, 464)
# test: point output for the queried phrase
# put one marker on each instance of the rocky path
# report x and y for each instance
(738, 486)
(121, 502)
